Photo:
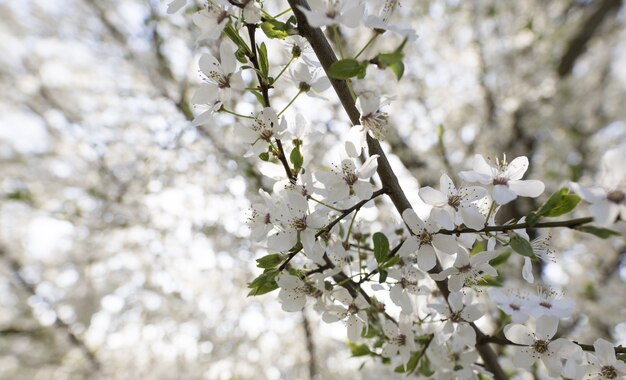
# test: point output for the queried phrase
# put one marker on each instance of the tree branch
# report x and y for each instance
(327, 57)
(573, 223)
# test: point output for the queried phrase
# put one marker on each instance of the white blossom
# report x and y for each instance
(539, 345)
(213, 19)
(467, 271)
(354, 310)
(401, 340)
(334, 12)
(348, 181)
(608, 201)
(453, 207)
(505, 177)
(603, 364)
(423, 241)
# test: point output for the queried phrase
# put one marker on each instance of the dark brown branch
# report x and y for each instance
(327, 57)
(578, 44)
(573, 223)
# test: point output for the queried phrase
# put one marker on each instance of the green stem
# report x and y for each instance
(283, 70)
(283, 12)
(235, 113)
(338, 41)
(290, 103)
(345, 243)
(371, 40)
(491, 208)
(325, 204)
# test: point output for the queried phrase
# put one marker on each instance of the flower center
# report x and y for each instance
(299, 224)
(514, 307)
(541, 346)
(267, 219)
(400, 340)
(223, 81)
(500, 181)
(608, 372)
(545, 304)
(454, 201)
(616, 196)
(456, 317)
(466, 268)
(425, 238)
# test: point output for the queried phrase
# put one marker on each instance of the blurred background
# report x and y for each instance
(124, 252)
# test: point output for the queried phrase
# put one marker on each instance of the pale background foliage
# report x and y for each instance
(123, 227)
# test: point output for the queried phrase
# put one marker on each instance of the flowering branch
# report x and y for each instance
(573, 223)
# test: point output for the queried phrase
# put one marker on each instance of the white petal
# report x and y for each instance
(209, 63)
(355, 326)
(426, 258)
(363, 190)
(409, 247)
(412, 220)
(517, 168)
(472, 217)
(227, 55)
(442, 217)
(471, 313)
(369, 167)
(455, 299)
(433, 197)
(205, 94)
(446, 244)
(519, 334)
(604, 350)
(528, 188)
(604, 213)
(527, 270)
(175, 6)
(503, 195)
(553, 364)
(523, 357)
(546, 327)
(354, 141)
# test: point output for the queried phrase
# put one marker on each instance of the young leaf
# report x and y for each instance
(274, 29)
(296, 159)
(264, 283)
(381, 247)
(263, 61)
(521, 245)
(559, 203)
(344, 69)
(382, 276)
(600, 232)
(359, 349)
(269, 261)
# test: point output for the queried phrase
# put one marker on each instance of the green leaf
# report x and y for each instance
(478, 247)
(600, 232)
(382, 276)
(345, 69)
(381, 247)
(521, 245)
(274, 29)
(359, 349)
(264, 156)
(234, 36)
(264, 283)
(269, 261)
(264, 65)
(501, 259)
(296, 159)
(398, 69)
(241, 56)
(559, 203)
(391, 262)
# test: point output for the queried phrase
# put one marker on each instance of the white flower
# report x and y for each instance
(539, 345)
(300, 48)
(401, 340)
(541, 249)
(264, 127)
(293, 292)
(348, 181)
(452, 206)
(334, 12)
(505, 177)
(381, 21)
(309, 81)
(451, 360)
(608, 201)
(423, 241)
(296, 224)
(459, 311)
(213, 19)
(373, 122)
(512, 303)
(408, 277)
(549, 302)
(467, 271)
(251, 11)
(223, 80)
(354, 310)
(260, 220)
(604, 364)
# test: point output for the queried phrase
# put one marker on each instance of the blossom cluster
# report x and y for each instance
(412, 292)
